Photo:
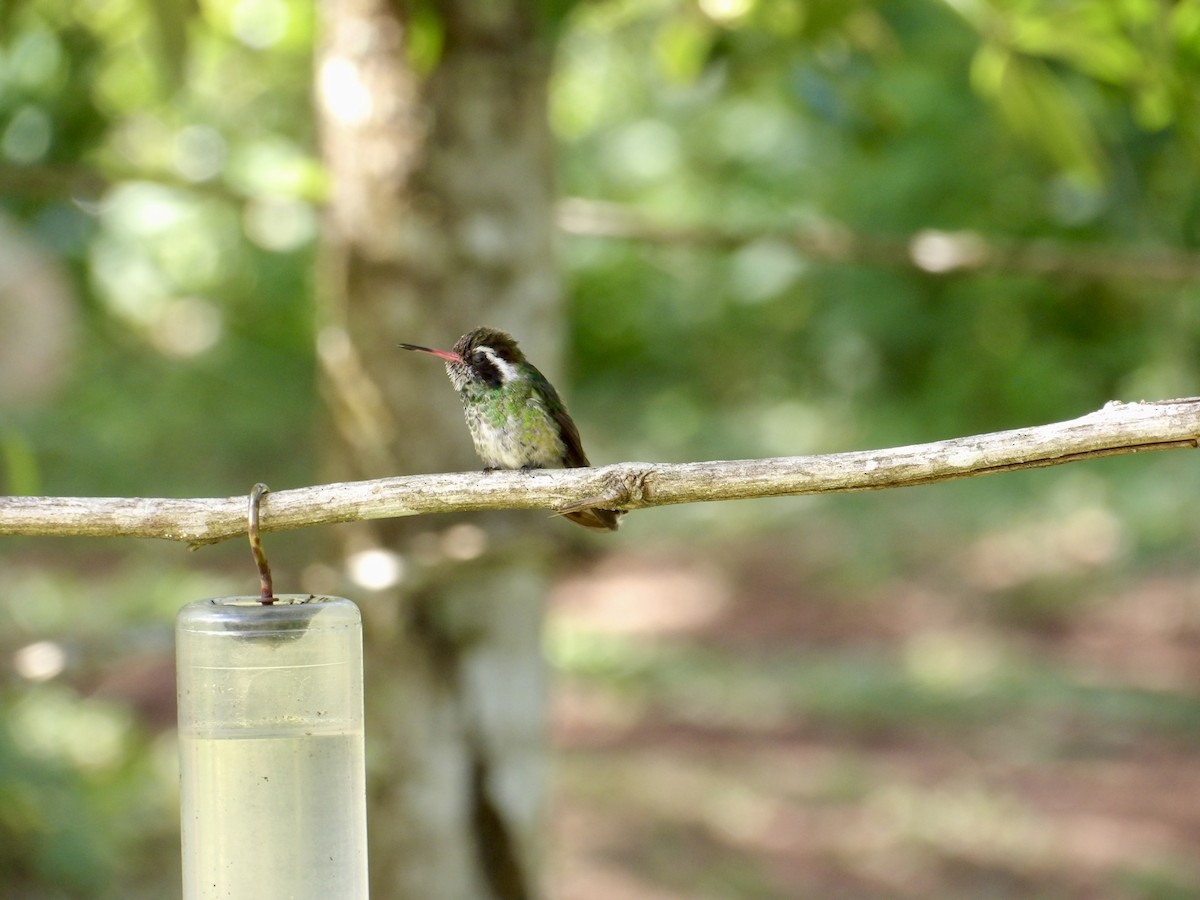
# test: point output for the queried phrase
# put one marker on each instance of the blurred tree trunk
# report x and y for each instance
(439, 220)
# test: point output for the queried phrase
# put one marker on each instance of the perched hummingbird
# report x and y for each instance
(517, 419)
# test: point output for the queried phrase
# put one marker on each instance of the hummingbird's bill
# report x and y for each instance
(444, 354)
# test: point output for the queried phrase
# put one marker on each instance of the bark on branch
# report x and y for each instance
(1118, 428)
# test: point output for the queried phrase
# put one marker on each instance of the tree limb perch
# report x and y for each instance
(1118, 428)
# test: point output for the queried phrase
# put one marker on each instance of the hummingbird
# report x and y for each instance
(516, 418)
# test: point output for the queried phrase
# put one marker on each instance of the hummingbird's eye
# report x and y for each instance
(486, 367)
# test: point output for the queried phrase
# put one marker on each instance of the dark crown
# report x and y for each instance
(499, 342)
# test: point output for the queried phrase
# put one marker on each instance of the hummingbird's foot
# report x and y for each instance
(488, 470)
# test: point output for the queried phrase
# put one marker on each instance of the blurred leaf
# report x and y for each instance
(426, 36)
(682, 47)
(172, 18)
(1090, 36)
(1037, 104)
(20, 465)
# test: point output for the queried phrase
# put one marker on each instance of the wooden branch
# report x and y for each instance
(1118, 428)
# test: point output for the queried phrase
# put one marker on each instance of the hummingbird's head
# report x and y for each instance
(485, 357)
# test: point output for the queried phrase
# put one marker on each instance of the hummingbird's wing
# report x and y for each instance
(584, 513)
(573, 455)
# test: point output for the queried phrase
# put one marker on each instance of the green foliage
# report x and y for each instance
(55, 791)
(878, 116)
(192, 240)
(86, 787)
(1146, 52)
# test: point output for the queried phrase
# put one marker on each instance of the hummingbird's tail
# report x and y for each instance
(600, 519)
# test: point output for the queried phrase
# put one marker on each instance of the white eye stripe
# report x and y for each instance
(506, 369)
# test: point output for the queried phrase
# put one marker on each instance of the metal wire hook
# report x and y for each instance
(267, 594)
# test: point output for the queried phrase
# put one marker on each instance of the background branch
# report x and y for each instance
(930, 250)
(1118, 428)
(933, 251)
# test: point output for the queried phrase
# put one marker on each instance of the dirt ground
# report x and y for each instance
(723, 728)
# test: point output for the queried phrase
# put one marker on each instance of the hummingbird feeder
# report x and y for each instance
(271, 760)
